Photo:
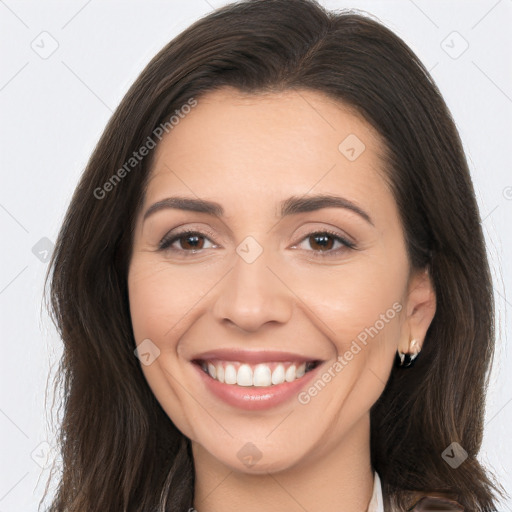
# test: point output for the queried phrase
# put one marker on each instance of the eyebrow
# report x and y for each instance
(291, 206)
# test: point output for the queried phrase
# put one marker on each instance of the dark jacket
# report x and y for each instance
(431, 503)
(422, 502)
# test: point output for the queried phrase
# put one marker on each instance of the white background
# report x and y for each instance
(54, 109)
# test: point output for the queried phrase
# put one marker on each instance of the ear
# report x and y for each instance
(420, 310)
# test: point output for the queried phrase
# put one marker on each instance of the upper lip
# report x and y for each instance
(252, 356)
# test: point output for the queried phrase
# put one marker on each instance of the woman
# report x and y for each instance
(271, 282)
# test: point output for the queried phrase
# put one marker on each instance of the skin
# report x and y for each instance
(248, 153)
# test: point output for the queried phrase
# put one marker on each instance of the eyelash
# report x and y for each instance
(167, 241)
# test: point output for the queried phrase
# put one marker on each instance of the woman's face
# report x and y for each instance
(272, 281)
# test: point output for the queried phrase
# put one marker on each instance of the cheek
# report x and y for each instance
(350, 298)
(358, 307)
(161, 298)
(147, 302)
(159, 302)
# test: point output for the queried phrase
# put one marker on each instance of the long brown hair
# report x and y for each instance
(120, 451)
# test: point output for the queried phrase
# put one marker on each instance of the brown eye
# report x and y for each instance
(191, 241)
(188, 241)
(323, 243)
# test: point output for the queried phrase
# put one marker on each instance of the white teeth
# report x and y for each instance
(212, 370)
(244, 375)
(301, 370)
(230, 374)
(290, 374)
(278, 374)
(220, 373)
(261, 375)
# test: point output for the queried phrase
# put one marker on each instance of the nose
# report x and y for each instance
(252, 295)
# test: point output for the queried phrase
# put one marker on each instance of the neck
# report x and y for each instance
(328, 478)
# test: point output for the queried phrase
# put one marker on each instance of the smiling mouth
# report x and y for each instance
(255, 375)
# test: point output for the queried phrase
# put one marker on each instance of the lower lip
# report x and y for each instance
(255, 398)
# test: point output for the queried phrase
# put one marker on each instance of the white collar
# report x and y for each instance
(377, 501)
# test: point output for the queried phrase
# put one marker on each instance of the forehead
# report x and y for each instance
(258, 145)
